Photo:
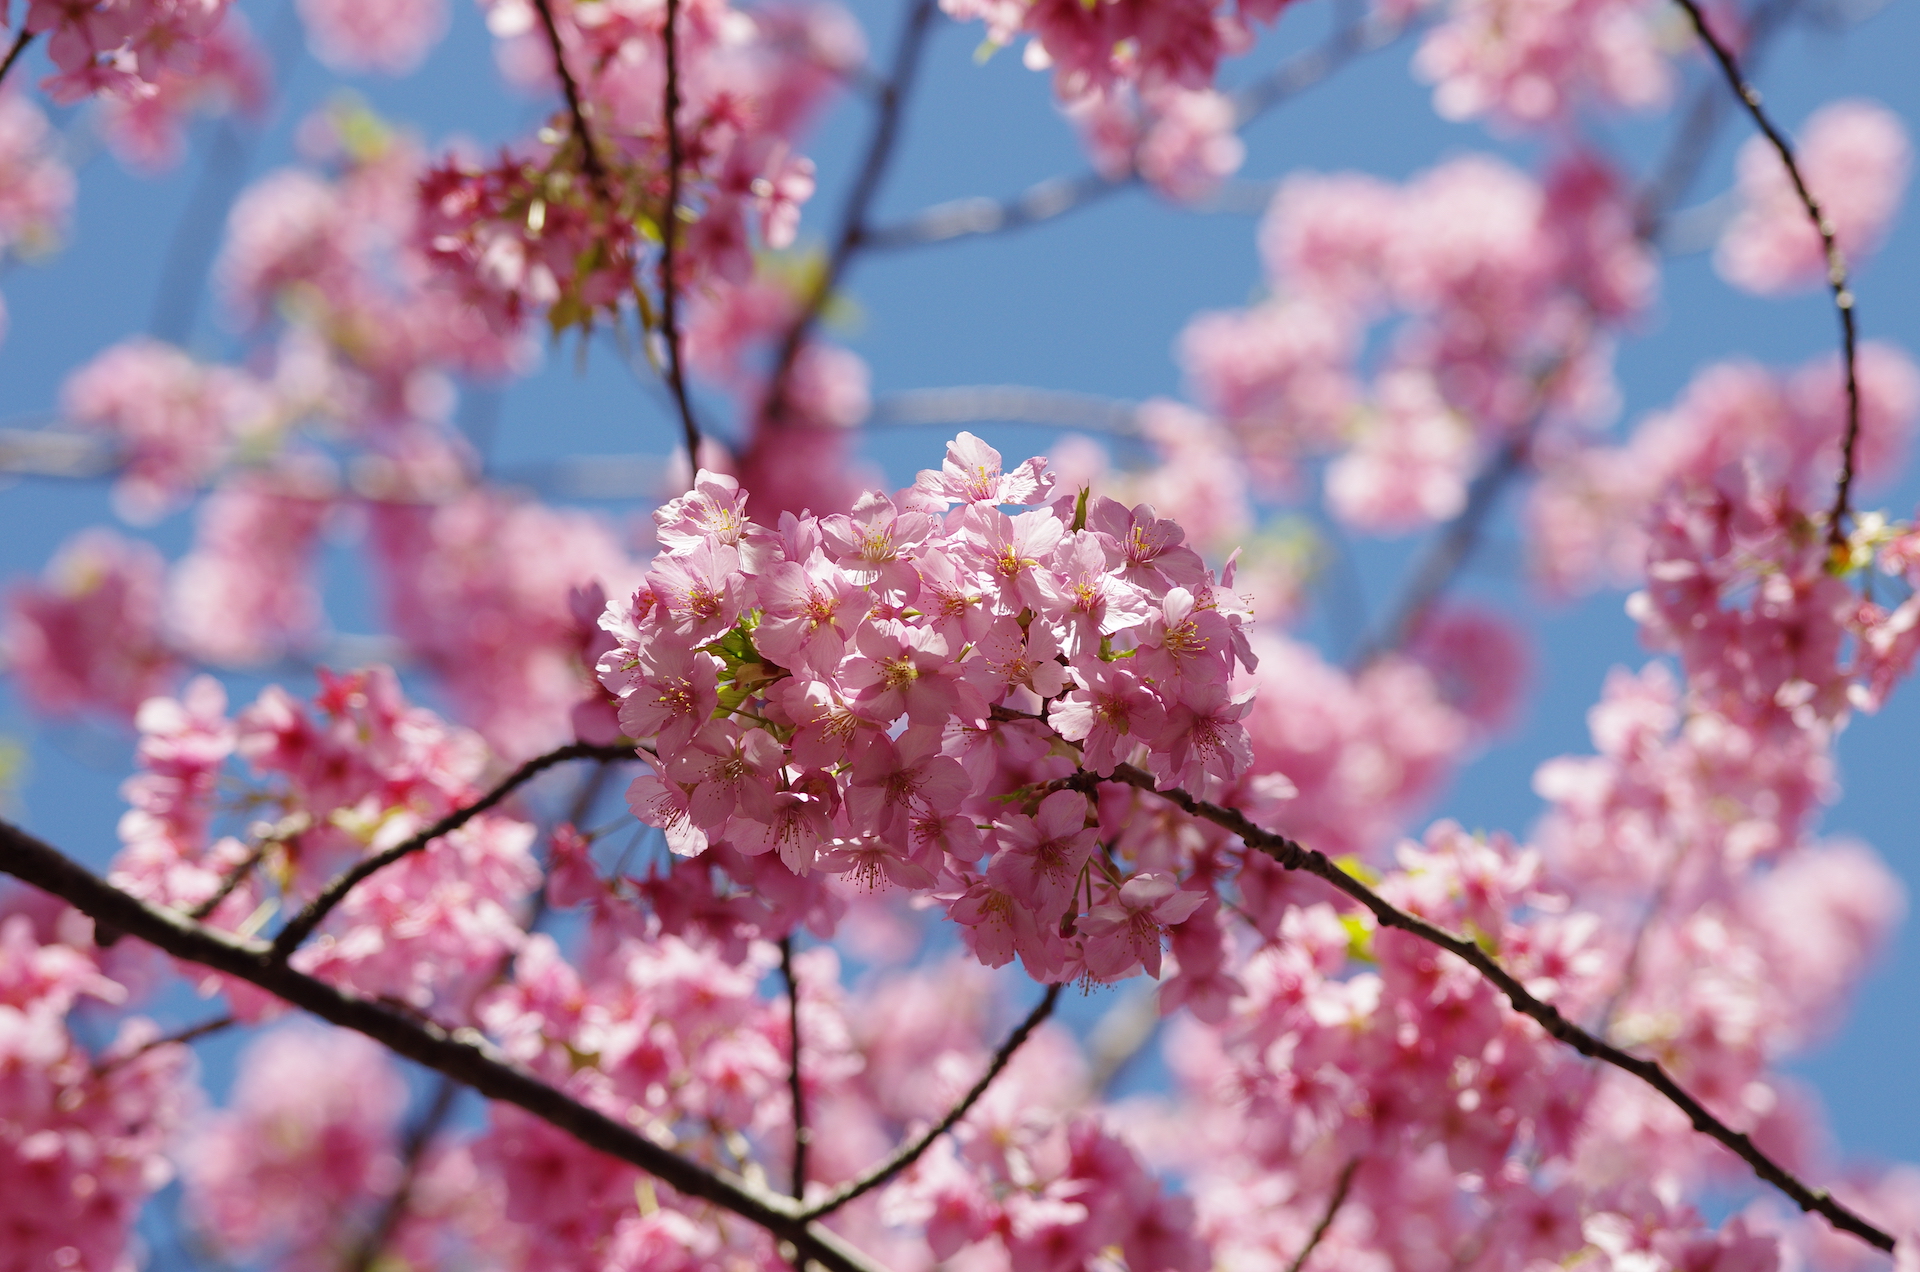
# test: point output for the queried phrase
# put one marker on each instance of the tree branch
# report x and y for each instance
(907, 1154)
(462, 1054)
(963, 218)
(576, 107)
(20, 43)
(1688, 150)
(801, 1135)
(1120, 1035)
(853, 221)
(1334, 1203)
(301, 926)
(285, 830)
(1294, 856)
(1836, 263)
(669, 232)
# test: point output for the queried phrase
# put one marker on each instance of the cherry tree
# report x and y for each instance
(666, 936)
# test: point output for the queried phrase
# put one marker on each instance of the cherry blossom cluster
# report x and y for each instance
(557, 227)
(1506, 287)
(84, 1138)
(1720, 503)
(88, 635)
(147, 129)
(359, 770)
(829, 695)
(121, 47)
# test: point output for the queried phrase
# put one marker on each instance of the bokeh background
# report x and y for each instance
(1090, 302)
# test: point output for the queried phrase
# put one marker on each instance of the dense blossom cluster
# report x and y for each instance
(555, 228)
(83, 1137)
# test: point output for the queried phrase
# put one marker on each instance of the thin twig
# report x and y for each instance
(1685, 154)
(412, 1153)
(576, 107)
(907, 1154)
(284, 831)
(853, 221)
(1294, 856)
(1836, 263)
(20, 43)
(1334, 1203)
(462, 1054)
(420, 1137)
(669, 232)
(190, 1034)
(302, 925)
(1636, 947)
(801, 1134)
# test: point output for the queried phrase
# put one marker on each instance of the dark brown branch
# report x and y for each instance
(907, 1154)
(669, 232)
(462, 1054)
(1334, 1203)
(301, 926)
(283, 831)
(1836, 263)
(412, 1153)
(802, 1136)
(853, 221)
(420, 1137)
(1294, 856)
(189, 1034)
(20, 43)
(1457, 541)
(1677, 169)
(576, 108)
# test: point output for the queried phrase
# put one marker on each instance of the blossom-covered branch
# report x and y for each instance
(1843, 301)
(302, 925)
(1294, 856)
(463, 1055)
